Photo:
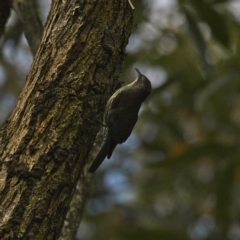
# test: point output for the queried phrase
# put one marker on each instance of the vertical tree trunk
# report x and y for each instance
(45, 143)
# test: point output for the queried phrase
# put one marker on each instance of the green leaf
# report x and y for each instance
(214, 19)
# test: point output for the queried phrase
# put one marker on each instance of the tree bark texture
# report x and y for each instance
(46, 141)
(81, 195)
(75, 212)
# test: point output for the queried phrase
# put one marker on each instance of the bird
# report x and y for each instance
(121, 115)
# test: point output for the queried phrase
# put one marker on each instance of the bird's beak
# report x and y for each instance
(139, 73)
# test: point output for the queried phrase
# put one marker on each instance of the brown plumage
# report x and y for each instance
(121, 114)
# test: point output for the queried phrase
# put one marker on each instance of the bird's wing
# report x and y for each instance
(121, 122)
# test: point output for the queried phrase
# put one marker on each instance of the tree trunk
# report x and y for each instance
(46, 141)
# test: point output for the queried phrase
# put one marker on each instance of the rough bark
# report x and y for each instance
(46, 141)
(74, 215)
(80, 197)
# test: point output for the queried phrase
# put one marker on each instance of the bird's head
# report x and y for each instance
(143, 81)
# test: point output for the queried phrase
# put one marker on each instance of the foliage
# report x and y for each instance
(177, 175)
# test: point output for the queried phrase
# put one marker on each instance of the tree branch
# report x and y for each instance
(81, 195)
(4, 14)
(74, 215)
(32, 25)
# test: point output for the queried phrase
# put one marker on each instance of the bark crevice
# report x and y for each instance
(44, 145)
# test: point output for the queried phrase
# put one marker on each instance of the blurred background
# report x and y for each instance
(178, 176)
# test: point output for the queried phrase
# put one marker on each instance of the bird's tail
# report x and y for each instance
(100, 157)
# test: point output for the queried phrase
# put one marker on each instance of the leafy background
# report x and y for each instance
(177, 176)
